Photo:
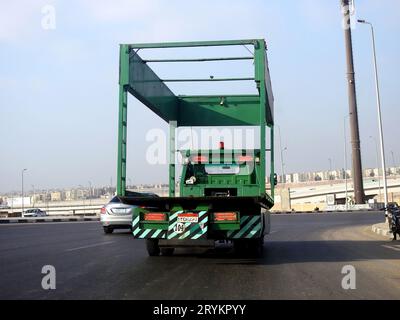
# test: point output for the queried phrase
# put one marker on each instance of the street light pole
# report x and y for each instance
(378, 105)
(394, 161)
(353, 114)
(345, 159)
(281, 149)
(22, 174)
(377, 164)
(90, 194)
(33, 199)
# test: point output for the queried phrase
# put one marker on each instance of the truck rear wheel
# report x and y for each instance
(167, 251)
(152, 247)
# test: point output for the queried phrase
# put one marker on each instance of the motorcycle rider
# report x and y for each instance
(394, 219)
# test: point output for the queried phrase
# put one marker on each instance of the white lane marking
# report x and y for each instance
(91, 246)
(393, 248)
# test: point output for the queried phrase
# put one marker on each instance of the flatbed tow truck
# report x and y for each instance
(223, 194)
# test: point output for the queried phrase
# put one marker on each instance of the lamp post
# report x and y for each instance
(90, 194)
(22, 189)
(394, 161)
(282, 149)
(33, 199)
(377, 164)
(378, 105)
(330, 169)
(345, 159)
(83, 197)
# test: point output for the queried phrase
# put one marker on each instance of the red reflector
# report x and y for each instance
(225, 216)
(199, 159)
(154, 216)
(221, 145)
(103, 210)
(244, 158)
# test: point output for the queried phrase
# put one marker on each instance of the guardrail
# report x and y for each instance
(49, 219)
(61, 210)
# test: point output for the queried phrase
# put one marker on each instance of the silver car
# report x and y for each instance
(36, 212)
(117, 215)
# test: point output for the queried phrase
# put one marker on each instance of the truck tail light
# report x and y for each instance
(103, 210)
(155, 216)
(244, 158)
(225, 216)
(199, 159)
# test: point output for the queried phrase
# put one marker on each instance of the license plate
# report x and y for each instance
(188, 217)
(120, 210)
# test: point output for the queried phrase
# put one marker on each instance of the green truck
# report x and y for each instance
(223, 194)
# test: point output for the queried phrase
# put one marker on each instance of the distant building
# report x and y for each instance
(56, 196)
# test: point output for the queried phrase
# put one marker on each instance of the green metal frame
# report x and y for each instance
(137, 78)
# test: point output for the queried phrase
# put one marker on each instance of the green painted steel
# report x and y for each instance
(240, 110)
(147, 87)
(254, 42)
(172, 152)
(137, 78)
(198, 59)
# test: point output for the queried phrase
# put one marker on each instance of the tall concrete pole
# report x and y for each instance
(353, 115)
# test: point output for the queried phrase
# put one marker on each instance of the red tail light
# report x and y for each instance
(103, 210)
(155, 216)
(199, 159)
(225, 216)
(244, 158)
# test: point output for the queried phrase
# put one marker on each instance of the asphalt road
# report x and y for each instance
(302, 259)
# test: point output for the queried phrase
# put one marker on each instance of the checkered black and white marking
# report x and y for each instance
(146, 233)
(250, 227)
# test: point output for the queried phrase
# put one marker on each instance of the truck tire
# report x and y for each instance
(167, 251)
(108, 230)
(152, 247)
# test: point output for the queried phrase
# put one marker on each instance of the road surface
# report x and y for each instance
(302, 259)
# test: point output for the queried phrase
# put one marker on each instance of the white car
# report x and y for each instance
(34, 213)
(117, 215)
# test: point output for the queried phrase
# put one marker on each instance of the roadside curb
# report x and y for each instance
(381, 229)
(55, 219)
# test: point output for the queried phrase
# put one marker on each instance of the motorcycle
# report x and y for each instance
(394, 219)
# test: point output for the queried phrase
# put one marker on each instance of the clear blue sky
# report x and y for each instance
(59, 93)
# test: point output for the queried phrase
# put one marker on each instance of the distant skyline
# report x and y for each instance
(59, 87)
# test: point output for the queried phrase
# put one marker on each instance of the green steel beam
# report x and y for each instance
(207, 79)
(198, 59)
(122, 119)
(272, 165)
(259, 54)
(122, 139)
(172, 151)
(193, 44)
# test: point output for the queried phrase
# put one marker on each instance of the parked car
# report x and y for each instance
(117, 215)
(34, 213)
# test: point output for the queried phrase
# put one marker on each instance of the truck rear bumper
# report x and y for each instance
(251, 227)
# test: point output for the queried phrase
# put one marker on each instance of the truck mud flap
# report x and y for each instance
(187, 230)
(250, 227)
